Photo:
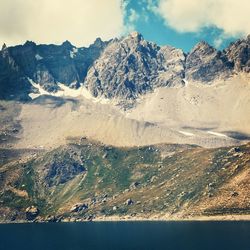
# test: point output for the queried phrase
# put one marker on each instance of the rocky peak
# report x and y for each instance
(203, 48)
(4, 46)
(132, 66)
(121, 68)
(204, 63)
(136, 35)
(66, 44)
(238, 53)
(98, 42)
(98, 46)
(29, 44)
(13, 84)
(134, 40)
(248, 39)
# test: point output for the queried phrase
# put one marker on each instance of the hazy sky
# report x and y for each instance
(180, 23)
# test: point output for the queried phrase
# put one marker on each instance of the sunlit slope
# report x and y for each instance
(206, 115)
(163, 181)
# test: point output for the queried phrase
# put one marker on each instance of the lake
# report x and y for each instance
(126, 235)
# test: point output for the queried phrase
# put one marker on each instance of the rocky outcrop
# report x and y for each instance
(204, 63)
(50, 64)
(78, 207)
(13, 83)
(129, 202)
(47, 65)
(132, 66)
(61, 172)
(238, 53)
(31, 212)
(57, 170)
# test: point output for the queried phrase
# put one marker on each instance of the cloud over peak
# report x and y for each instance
(46, 21)
(232, 16)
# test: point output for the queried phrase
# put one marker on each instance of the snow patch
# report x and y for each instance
(38, 57)
(66, 91)
(186, 133)
(216, 133)
(185, 81)
(81, 91)
(40, 89)
(73, 52)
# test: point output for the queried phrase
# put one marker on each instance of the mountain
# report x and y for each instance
(238, 54)
(132, 66)
(120, 69)
(204, 63)
(13, 82)
(124, 129)
(47, 65)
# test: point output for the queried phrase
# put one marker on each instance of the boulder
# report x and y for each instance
(234, 193)
(51, 218)
(134, 185)
(78, 207)
(31, 212)
(129, 202)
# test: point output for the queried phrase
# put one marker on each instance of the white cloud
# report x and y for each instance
(218, 41)
(133, 17)
(54, 21)
(151, 5)
(232, 16)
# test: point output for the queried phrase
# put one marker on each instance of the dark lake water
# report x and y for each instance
(127, 235)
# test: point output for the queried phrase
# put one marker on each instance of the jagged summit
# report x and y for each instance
(205, 63)
(122, 68)
(238, 53)
(67, 44)
(203, 46)
(4, 46)
(98, 42)
(29, 43)
(132, 66)
(136, 35)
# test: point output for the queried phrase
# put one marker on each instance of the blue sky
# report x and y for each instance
(180, 23)
(138, 16)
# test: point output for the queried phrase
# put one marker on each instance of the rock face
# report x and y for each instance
(59, 170)
(238, 54)
(13, 83)
(31, 212)
(132, 66)
(205, 63)
(79, 207)
(50, 64)
(47, 65)
(121, 69)
(129, 202)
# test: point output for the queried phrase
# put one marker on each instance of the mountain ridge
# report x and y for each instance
(67, 153)
(120, 68)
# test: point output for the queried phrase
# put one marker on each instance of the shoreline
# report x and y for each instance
(177, 219)
(214, 218)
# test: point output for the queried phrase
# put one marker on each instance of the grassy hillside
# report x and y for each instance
(86, 179)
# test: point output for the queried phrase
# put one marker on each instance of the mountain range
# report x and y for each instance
(119, 69)
(124, 130)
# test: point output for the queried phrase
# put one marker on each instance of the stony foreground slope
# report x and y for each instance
(84, 180)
